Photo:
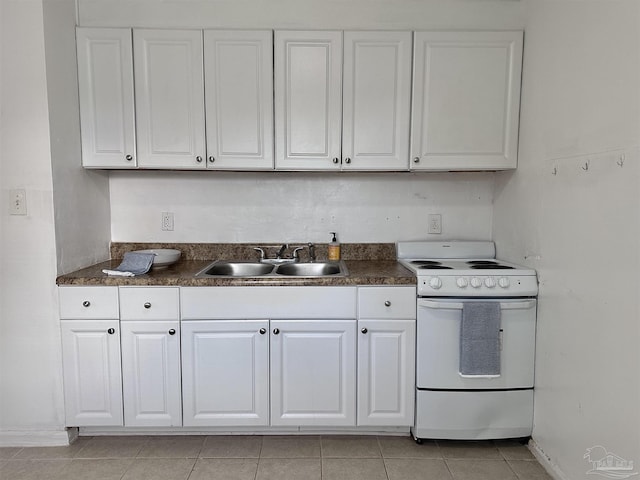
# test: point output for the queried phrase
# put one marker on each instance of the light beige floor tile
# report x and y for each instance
(417, 469)
(350, 446)
(41, 453)
(33, 469)
(96, 469)
(289, 469)
(225, 469)
(353, 469)
(160, 469)
(406, 447)
(8, 452)
(529, 470)
(476, 469)
(112, 447)
(512, 450)
(172, 446)
(290, 446)
(231, 446)
(485, 450)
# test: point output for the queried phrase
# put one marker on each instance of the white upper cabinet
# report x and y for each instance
(308, 99)
(105, 81)
(466, 100)
(169, 85)
(239, 99)
(376, 100)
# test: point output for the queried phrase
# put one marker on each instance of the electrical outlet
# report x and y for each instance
(435, 223)
(18, 202)
(167, 221)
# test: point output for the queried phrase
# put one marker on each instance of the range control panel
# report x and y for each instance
(477, 285)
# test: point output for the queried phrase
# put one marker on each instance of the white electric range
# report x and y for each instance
(475, 341)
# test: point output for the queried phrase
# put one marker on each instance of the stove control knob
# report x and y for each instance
(490, 282)
(462, 282)
(503, 282)
(435, 283)
(476, 282)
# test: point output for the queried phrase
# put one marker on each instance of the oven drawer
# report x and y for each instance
(387, 302)
(438, 345)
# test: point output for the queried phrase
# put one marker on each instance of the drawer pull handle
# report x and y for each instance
(172, 332)
(387, 303)
(364, 330)
(111, 331)
(276, 331)
(129, 158)
(199, 159)
(147, 305)
(86, 303)
(262, 331)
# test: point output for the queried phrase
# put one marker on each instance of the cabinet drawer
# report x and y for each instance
(81, 303)
(386, 302)
(152, 303)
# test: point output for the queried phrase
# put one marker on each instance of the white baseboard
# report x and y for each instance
(36, 438)
(552, 469)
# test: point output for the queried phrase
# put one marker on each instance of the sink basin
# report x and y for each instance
(237, 269)
(309, 269)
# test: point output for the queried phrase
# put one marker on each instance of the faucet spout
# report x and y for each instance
(282, 250)
(312, 252)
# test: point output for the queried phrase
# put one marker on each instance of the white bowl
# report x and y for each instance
(163, 256)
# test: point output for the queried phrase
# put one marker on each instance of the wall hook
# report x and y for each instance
(620, 160)
(585, 167)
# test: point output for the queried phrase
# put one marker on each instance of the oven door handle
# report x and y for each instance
(520, 305)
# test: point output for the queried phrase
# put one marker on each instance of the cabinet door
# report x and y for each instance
(466, 100)
(239, 99)
(376, 100)
(386, 372)
(313, 372)
(308, 99)
(225, 372)
(169, 87)
(105, 81)
(151, 373)
(91, 369)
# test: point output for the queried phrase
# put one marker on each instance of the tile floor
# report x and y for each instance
(270, 457)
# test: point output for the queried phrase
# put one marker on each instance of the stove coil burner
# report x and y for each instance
(425, 263)
(491, 267)
(482, 262)
(434, 267)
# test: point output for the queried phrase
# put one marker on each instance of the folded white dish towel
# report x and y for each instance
(133, 264)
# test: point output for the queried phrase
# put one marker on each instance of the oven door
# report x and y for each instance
(438, 345)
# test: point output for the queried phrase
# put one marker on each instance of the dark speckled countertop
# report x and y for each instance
(368, 264)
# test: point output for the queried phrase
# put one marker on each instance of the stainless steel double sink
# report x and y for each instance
(222, 268)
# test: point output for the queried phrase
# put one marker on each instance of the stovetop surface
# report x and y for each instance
(443, 266)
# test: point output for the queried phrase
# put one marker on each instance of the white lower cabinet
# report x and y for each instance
(151, 373)
(91, 370)
(313, 366)
(225, 372)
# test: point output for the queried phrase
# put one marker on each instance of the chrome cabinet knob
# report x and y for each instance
(199, 159)
(276, 331)
(336, 160)
(172, 331)
(416, 159)
(129, 158)
(86, 303)
(111, 331)
(147, 305)
(387, 303)
(364, 330)
(347, 160)
(212, 159)
(262, 331)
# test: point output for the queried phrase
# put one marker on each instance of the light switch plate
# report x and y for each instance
(18, 202)
(435, 223)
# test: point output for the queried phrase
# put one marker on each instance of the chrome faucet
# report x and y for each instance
(312, 252)
(261, 251)
(282, 250)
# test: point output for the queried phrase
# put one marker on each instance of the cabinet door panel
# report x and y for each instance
(386, 372)
(466, 100)
(91, 368)
(225, 372)
(169, 98)
(313, 372)
(105, 81)
(376, 104)
(151, 373)
(308, 93)
(239, 99)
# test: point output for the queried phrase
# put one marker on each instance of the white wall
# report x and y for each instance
(296, 207)
(580, 229)
(30, 378)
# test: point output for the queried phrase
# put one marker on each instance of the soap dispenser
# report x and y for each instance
(334, 248)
